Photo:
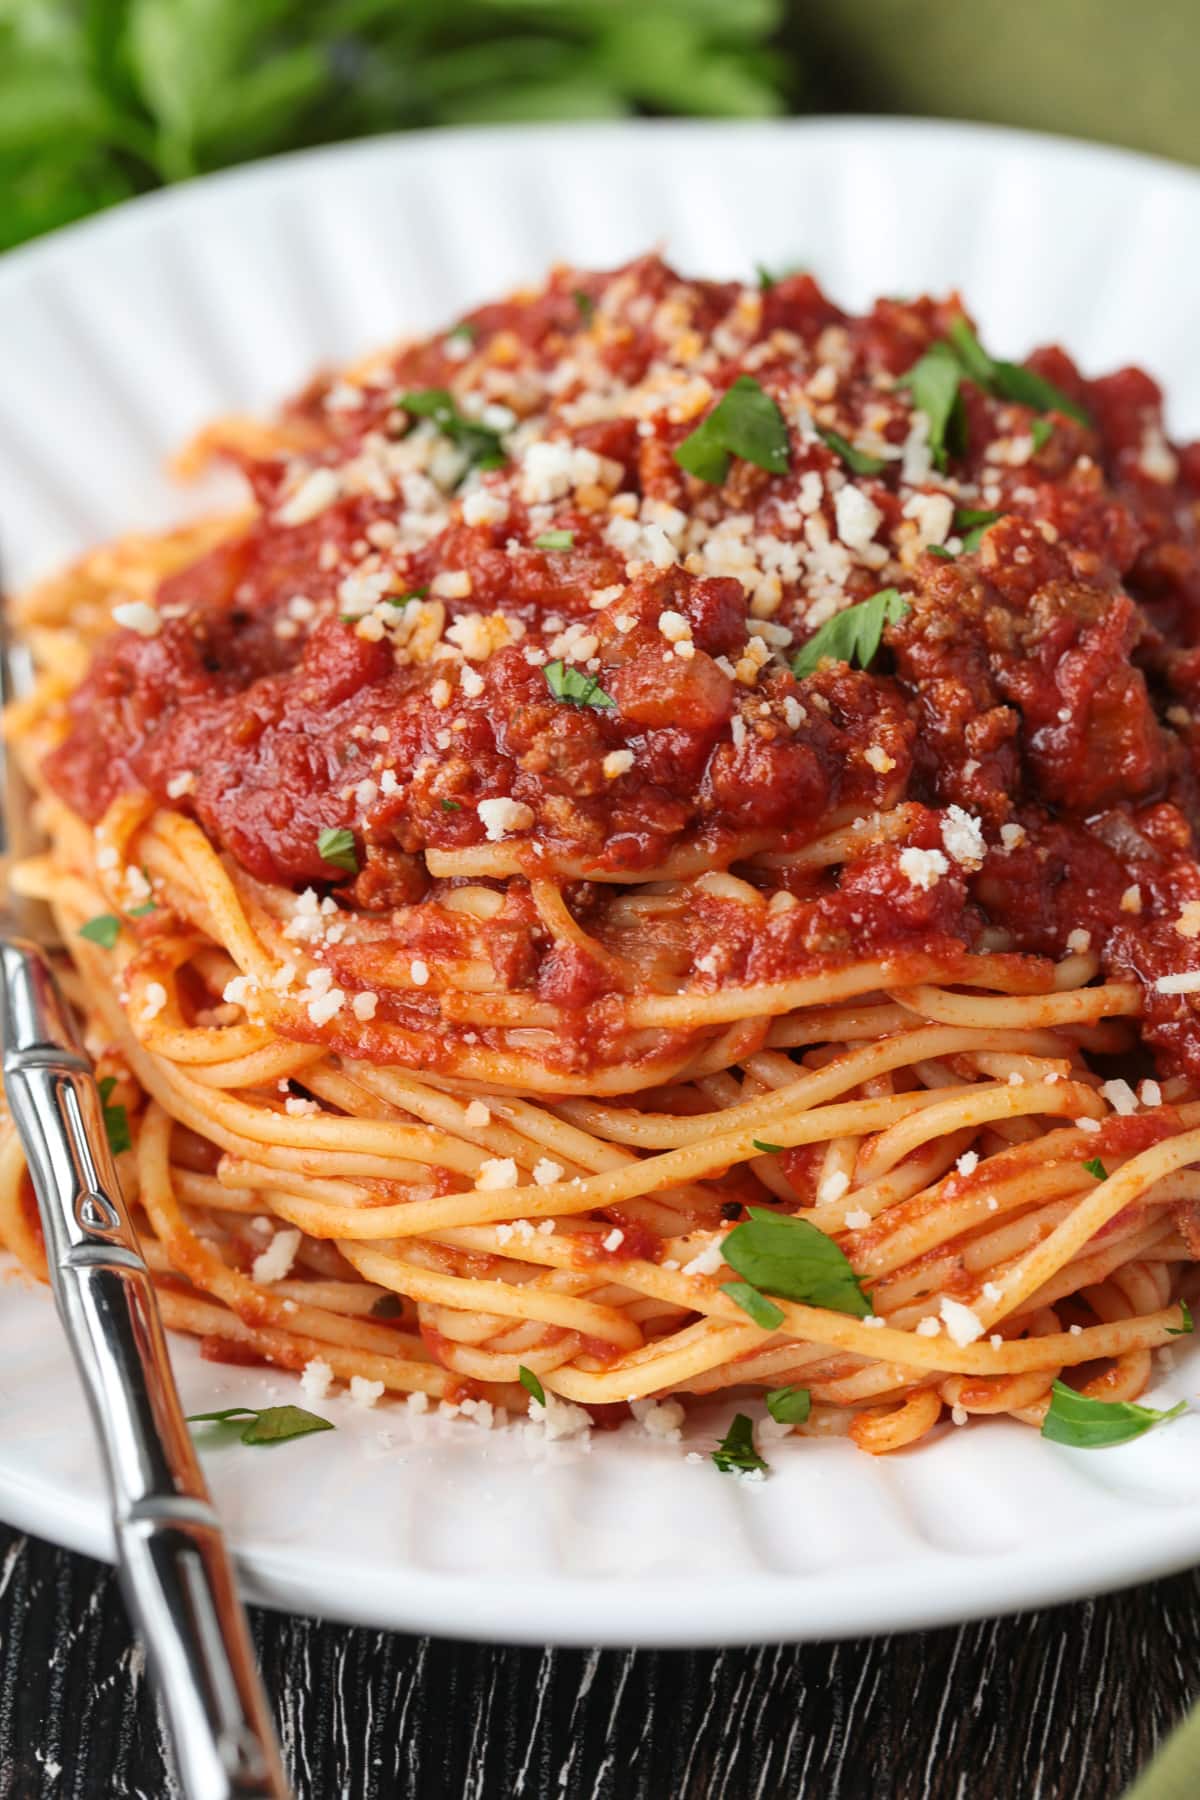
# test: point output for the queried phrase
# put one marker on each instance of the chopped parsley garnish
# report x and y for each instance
(104, 930)
(451, 805)
(745, 423)
(479, 443)
(767, 1149)
(139, 912)
(116, 1119)
(735, 1454)
(852, 635)
(934, 380)
(860, 462)
(554, 540)
(1088, 1424)
(972, 522)
(1095, 1167)
(1012, 381)
(1041, 431)
(789, 1405)
(464, 330)
(336, 845)
(531, 1384)
(768, 278)
(939, 550)
(266, 1424)
(1188, 1326)
(586, 305)
(764, 1312)
(575, 685)
(789, 1257)
(405, 599)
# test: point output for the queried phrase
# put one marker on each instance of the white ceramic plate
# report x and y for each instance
(119, 338)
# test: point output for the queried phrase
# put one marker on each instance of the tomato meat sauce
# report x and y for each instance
(541, 587)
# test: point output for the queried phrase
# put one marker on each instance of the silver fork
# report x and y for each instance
(175, 1569)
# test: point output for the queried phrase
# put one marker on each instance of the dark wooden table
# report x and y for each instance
(1059, 1705)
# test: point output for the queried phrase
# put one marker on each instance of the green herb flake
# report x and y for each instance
(404, 599)
(585, 304)
(116, 1119)
(480, 445)
(860, 462)
(789, 1405)
(735, 1454)
(464, 331)
(554, 540)
(1041, 431)
(104, 930)
(531, 1384)
(451, 805)
(336, 846)
(746, 423)
(853, 634)
(790, 1258)
(767, 1149)
(1012, 381)
(764, 1312)
(939, 550)
(575, 686)
(140, 912)
(1095, 1167)
(267, 1424)
(933, 381)
(387, 1306)
(1188, 1325)
(1087, 1424)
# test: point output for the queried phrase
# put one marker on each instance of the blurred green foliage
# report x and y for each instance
(100, 99)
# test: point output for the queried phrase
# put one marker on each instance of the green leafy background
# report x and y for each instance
(101, 99)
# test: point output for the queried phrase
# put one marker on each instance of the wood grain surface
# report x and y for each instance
(1059, 1705)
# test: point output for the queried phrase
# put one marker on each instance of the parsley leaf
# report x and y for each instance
(972, 522)
(789, 1405)
(852, 634)
(464, 330)
(791, 1258)
(451, 805)
(1188, 1326)
(139, 912)
(1041, 431)
(554, 540)
(104, 930)
(764, 1312)
(267, 1424)
(941, 551)
(586, 305)
(116, 1119)
(934, 380)
(1091, 1424)
(746, 423)
(531, 1384)
(1012, 381)
(404, 599)
(336, 845)
(479, 443)
(1095, 1167)
(575, 686)
(735, 1454)
(767, 278)
(860, 462)
(767, 1149)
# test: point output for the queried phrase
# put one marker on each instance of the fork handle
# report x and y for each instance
(175, 1570)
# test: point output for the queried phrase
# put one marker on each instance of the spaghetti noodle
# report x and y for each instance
(483, 908)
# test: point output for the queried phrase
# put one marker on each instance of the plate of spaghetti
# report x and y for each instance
(635, 894)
